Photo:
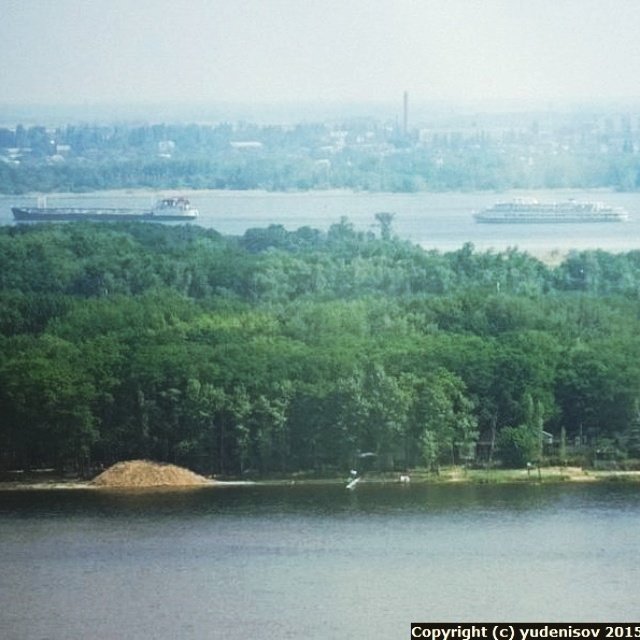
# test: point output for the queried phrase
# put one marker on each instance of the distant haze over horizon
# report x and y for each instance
(288, 113)
(215, 54)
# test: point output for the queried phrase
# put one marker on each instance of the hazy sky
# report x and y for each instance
(322, 51)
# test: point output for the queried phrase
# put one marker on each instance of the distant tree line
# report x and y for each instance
(358, 155)
(282, 351)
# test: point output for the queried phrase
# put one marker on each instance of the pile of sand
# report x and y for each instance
(143, 473)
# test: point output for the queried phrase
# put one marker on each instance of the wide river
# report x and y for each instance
(313, 561)
(320, 562)
(440, 221)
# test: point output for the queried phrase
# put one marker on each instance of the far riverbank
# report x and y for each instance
(449, 475)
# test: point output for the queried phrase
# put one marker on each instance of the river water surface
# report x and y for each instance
(440, 221)
(313, 561)
(272, 563)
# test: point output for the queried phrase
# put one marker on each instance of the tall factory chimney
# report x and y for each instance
(405, 119)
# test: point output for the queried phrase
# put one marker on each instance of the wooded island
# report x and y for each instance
(282, 351)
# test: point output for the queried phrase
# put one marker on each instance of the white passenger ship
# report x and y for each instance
(529, 210)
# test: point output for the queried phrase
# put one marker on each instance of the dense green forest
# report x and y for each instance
(281, 351)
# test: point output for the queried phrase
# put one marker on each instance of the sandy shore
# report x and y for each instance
(12, 485)
(445, 476)
(86, 485)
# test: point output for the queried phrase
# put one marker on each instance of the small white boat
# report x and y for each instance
(352, 483)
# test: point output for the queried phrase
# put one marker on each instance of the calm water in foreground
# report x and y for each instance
(318, 562)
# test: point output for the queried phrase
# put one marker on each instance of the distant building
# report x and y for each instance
(166, 148)
(247, 145)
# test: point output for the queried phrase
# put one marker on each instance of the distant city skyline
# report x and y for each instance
(319, 53)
